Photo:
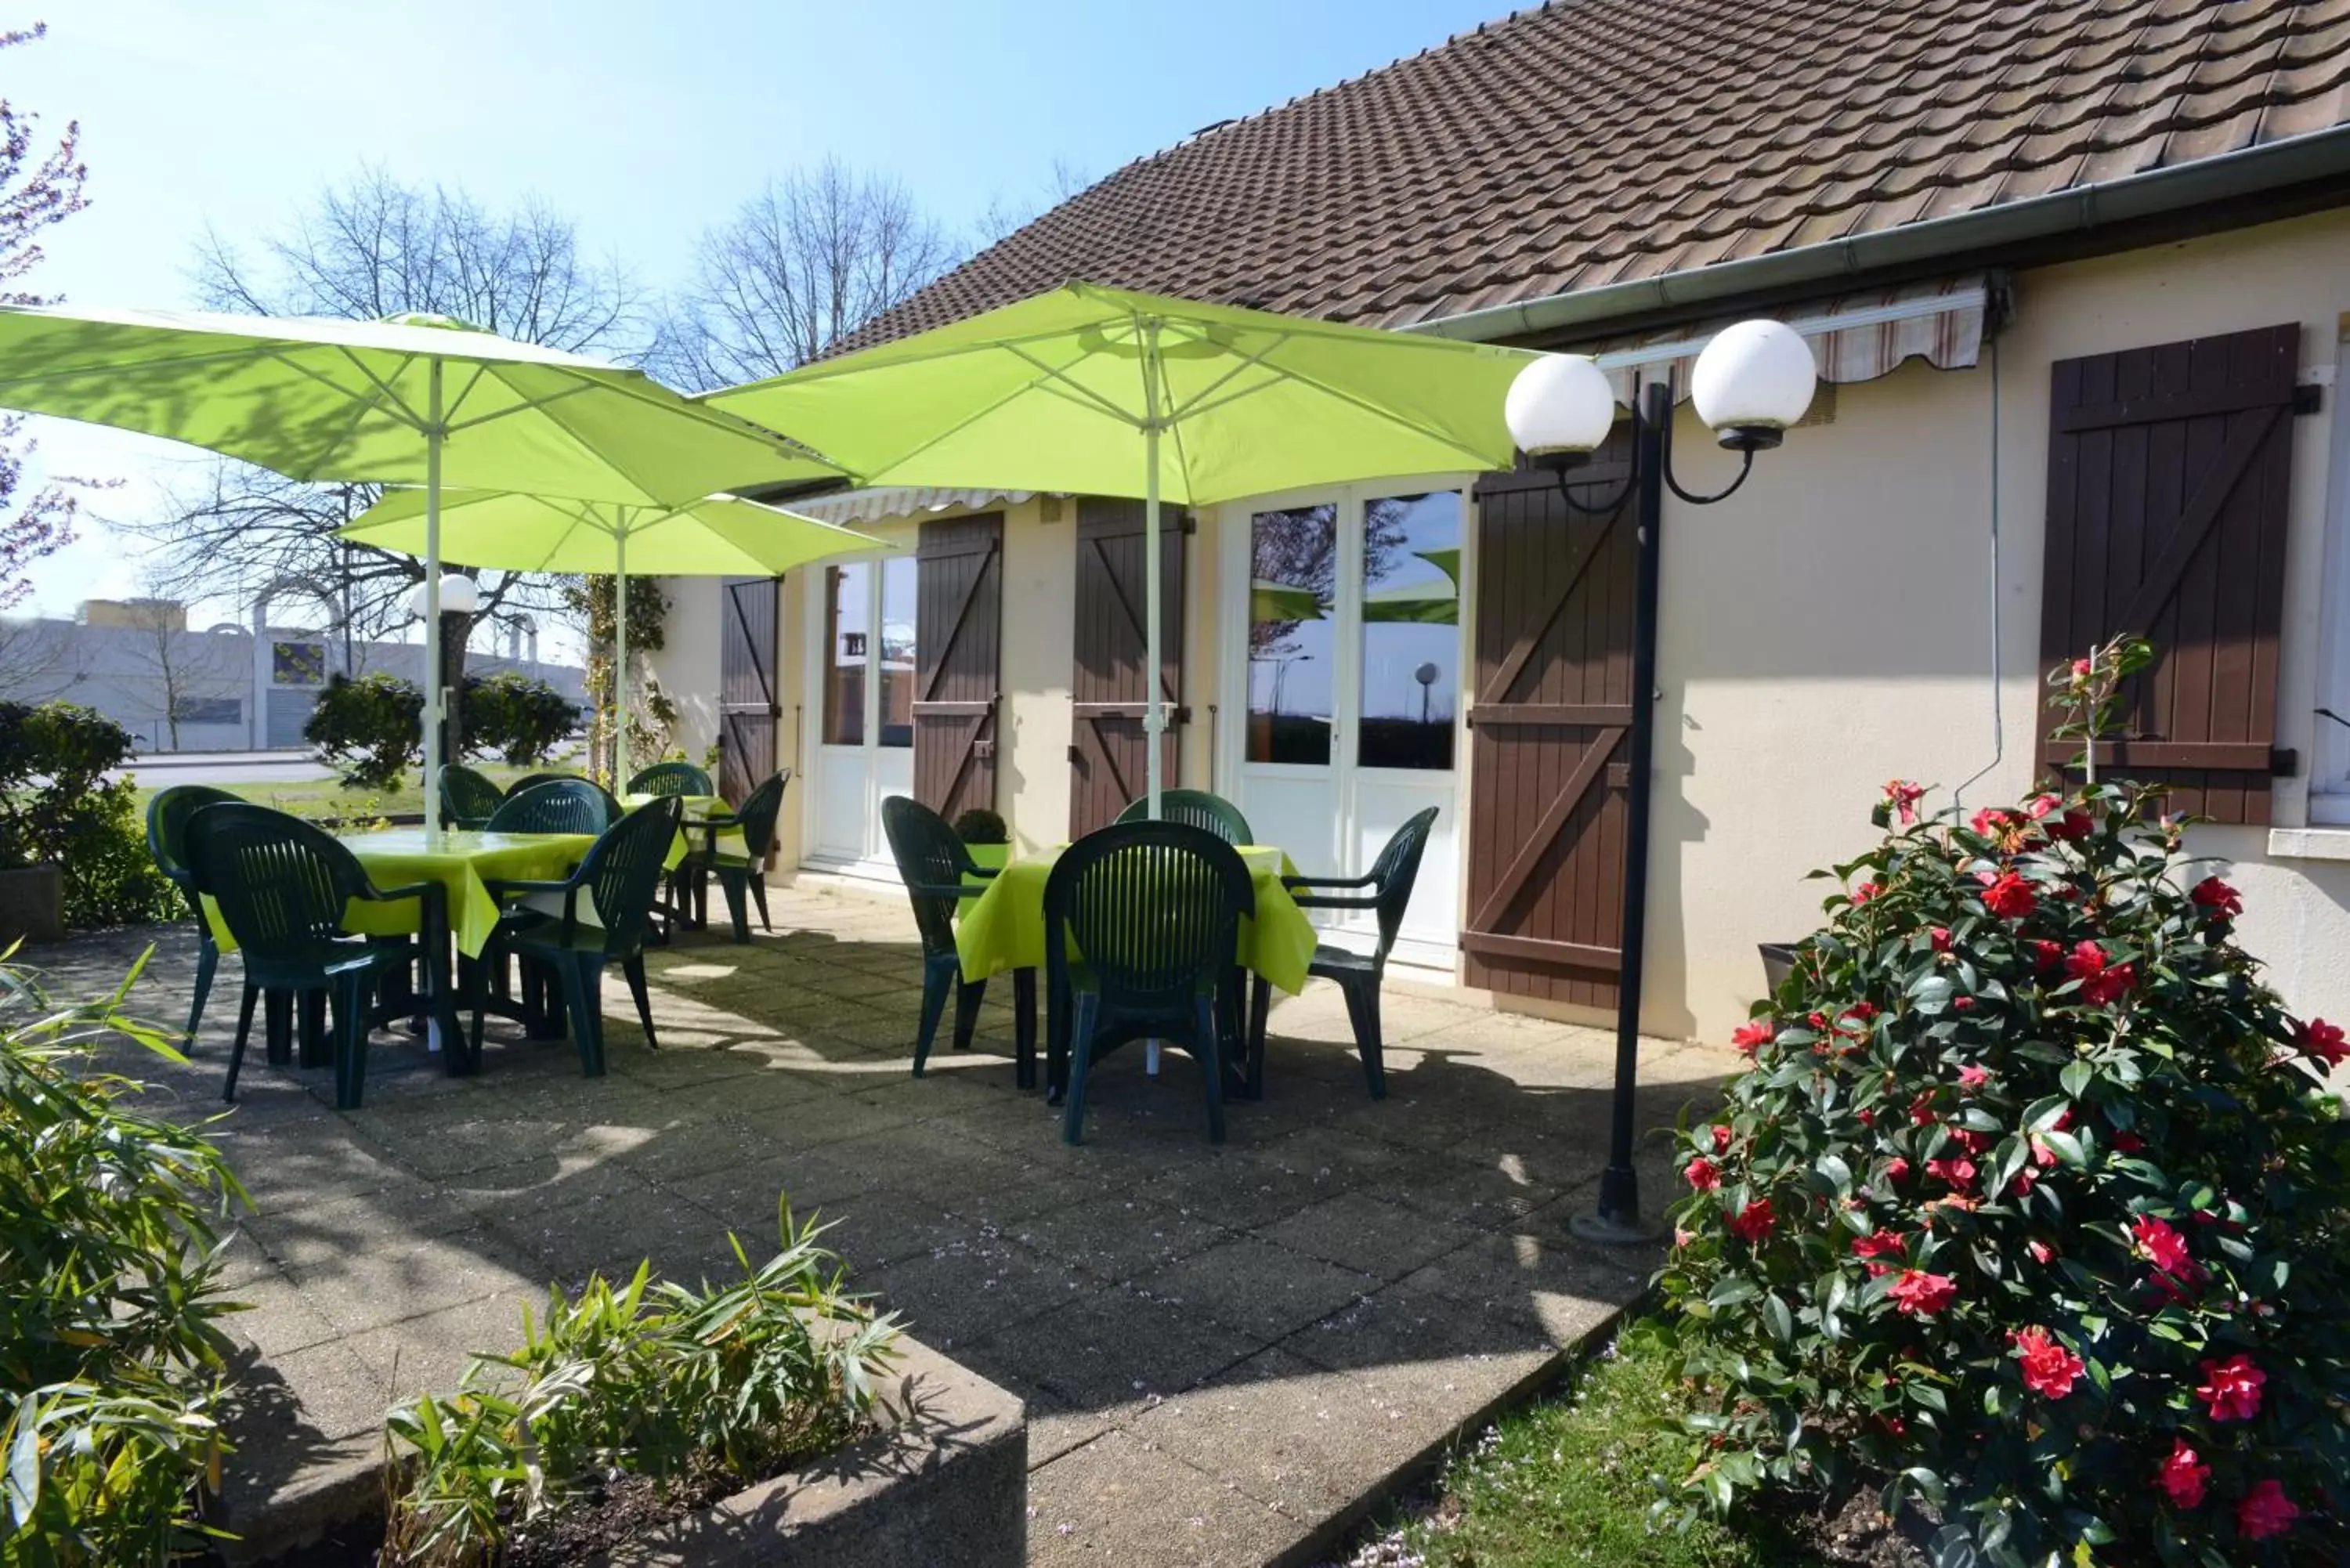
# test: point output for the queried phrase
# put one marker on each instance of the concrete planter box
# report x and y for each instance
(31, 904)
(945, 1487)
(944, 1484)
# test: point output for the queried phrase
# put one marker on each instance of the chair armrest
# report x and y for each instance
(1322, 901)
(376, 895)
(984, 873)
(1295, 882)
(499, 891)
(942, 890)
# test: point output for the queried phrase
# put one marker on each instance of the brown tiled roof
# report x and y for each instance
(1595, 141)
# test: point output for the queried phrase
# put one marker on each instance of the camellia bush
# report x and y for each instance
(518, 719)
(2033, 1206)
(371, 729)
(57, 806)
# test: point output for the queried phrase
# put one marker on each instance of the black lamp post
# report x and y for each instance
(1752, 382)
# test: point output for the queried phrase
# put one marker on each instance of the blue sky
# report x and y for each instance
(645, 123)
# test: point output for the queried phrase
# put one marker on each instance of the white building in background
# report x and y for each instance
(223, 688)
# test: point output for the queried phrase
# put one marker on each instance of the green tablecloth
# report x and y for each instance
(697, 806)
(1003, 927)
(460, 863)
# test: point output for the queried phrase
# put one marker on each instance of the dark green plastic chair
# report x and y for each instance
(671, 778)
(527, 780)
(468, 798)
(557, 806)
(933, 864)
(167, 834)
(1359, 975)
(746, 872)
(1152, 910)
(619, 877)
(1194, 808)
(282, 888)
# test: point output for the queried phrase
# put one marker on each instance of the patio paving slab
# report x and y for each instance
(1226, 1350)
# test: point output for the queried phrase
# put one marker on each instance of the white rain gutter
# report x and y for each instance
(2313, 155)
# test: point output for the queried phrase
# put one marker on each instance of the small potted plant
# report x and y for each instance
(985, 836)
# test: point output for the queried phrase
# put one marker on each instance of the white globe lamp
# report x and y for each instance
(1560, 409)
(460, 595)
(1752, 382)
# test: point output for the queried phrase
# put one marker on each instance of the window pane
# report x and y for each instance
(1412, 630)
(899, 580)
(1292, 572)
(848, 615)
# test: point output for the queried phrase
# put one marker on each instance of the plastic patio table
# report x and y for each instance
(1003, 927)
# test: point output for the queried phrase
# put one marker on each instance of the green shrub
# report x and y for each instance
(110, 1356)
(2033, 1202)
(57, 806)
(980, 825)
(370, 729)
(518, 719)
(652, 1380)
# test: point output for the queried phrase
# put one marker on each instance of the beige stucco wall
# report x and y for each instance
(1828, 629)
(687, 662)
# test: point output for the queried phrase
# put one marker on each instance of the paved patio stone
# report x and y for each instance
(1226, 1350)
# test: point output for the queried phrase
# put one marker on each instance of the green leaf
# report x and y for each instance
(1834, 1172)
(2075, 1078)
(1731, 1291)
(1778, 1319)
(2067, 1146)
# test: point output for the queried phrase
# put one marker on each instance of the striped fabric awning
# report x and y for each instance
(1857, 338)
(850, 507)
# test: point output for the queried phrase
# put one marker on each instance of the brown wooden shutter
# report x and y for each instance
(1109, 753)
(1546, 768)
(959, 637)
(2167, 496)
(747, 710)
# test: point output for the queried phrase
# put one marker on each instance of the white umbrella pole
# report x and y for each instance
(1154, 717)
(432, 701)
(621, 660)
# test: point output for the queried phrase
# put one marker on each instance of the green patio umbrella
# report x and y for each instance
(1104, 391)
(415, 399)
(716, 536)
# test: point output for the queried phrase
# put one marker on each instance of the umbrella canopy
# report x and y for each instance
(411, 399)
(1104, 391)
(716, 536)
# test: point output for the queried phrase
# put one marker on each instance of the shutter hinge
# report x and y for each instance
(2308, 398)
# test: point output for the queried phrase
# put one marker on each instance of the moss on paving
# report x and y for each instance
(1568, 1482)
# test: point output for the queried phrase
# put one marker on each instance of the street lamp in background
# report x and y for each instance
(1751, 382)
(460, 597)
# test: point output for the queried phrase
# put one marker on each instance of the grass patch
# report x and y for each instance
(327, 797)
(1566, 1482)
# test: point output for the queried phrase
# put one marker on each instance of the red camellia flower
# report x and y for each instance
(1921, 1294)
(1754, 1223)
(2039, 1249)
(2217, 899)
(1940, 935)
(1897, 1169)
(2083, 668)
(2156, 1242)
(2007, 895)
(2265, 1511)
(1702, 1174)
(1879, 1244)
(2048, 1367)
(2127, 1143)
(1921, 1109)
(2102, 980)
(1990, 822)
(1720, 1139)
(1973, 1075)
(2232, 1389)
(1752, 1036)
(1865, 892)
(2046, 955)
(2322, 1039)
(2183, 1475)
(1903, 797)
(1959, 1173)
(2074, 823)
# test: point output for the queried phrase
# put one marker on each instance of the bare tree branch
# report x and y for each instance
(1002, 216)
(812, 256)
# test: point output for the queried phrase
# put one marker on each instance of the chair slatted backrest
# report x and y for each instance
(932, 861)
(671, 778)
(281, 884)
(1153, 907)
(1394, 871)
(468, 796)
(557, 806)
(623, 870)
(760, 809)
(167, 834)
(1195, 808)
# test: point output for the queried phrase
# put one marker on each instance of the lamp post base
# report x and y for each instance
(1616, 1222)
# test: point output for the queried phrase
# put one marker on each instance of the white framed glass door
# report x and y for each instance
(861, 628)
(1344, 651)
